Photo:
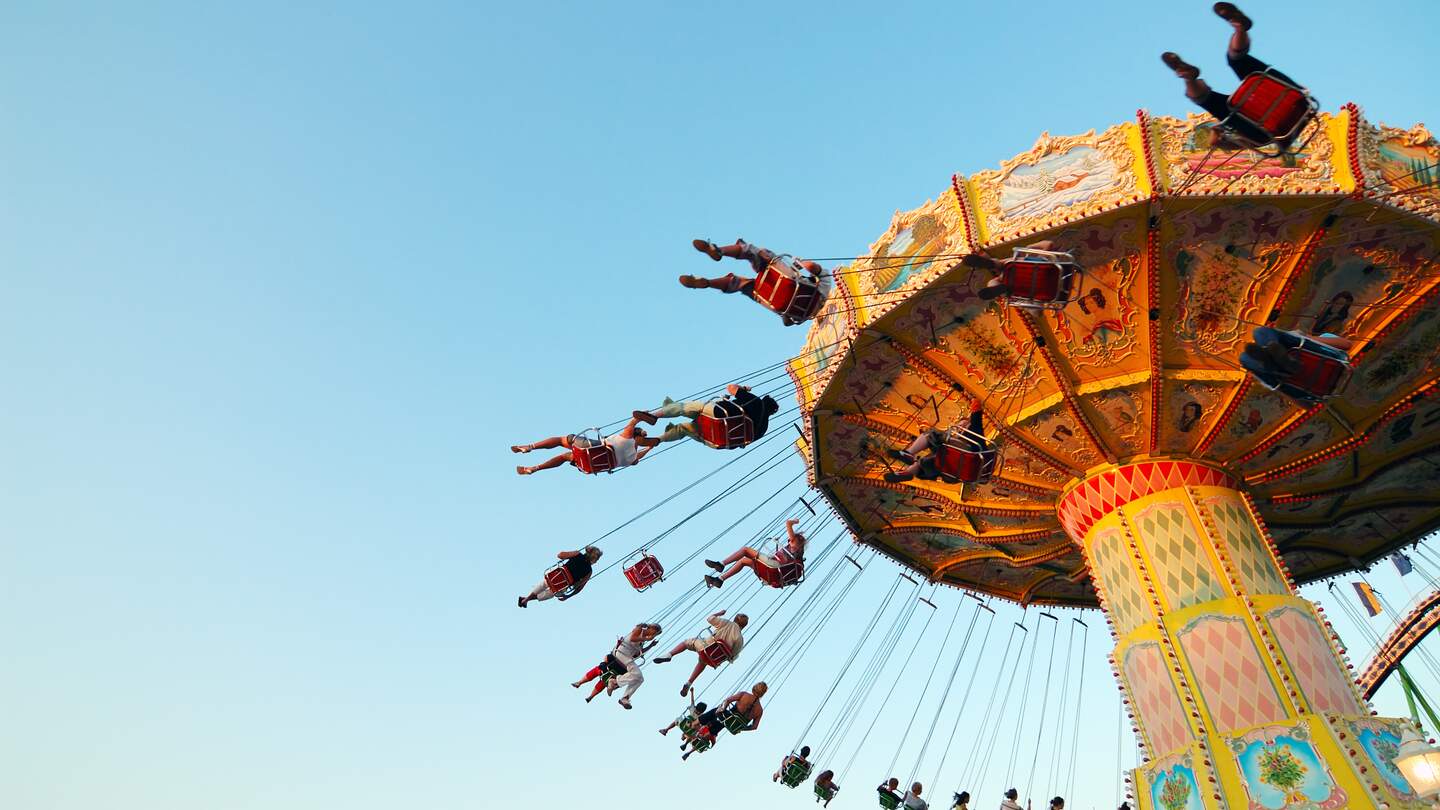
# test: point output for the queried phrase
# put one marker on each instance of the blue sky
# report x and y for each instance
(282, 284)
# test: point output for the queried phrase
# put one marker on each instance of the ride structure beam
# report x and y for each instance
(1238, 691)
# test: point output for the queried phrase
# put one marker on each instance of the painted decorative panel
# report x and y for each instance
(1155, 699)
(1312, 660)
(1229, 674)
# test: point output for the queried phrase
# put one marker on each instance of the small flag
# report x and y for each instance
(1402, 563)
(1367, 598)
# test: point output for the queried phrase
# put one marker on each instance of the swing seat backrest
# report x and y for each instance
(822, 792)
(715, 653)
(1039, 279)
(958, 462)
(795, 773)
(724, 426)
(593, 459)
(1272, 105)
(736, 722)
(558, 579)
(644, 572)
(889, 800)
(1321, 373)
(787, 573)
(788, 291)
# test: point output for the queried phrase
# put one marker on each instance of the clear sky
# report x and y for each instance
(282, 282)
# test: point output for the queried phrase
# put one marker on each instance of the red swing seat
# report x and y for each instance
(1272, 105)
(558, 579)
(1040, 279)
(715, 653)
(787, 573)
(590, 454)
(788, 290)
(723, 425)
(1323, 372)
(643, 571)
(959, 463)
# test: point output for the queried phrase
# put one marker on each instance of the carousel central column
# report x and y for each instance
(1238, 691)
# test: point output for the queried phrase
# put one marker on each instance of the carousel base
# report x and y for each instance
(1317, 761)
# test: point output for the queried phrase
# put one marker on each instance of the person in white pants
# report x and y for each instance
(623, 664)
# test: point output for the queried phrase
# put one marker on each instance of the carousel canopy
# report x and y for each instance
(1185, 250)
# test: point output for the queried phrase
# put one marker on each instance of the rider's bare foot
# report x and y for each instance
(523, 470)
(519, 448)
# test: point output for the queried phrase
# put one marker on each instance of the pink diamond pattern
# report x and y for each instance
(1112, 565)
(1233, 682)
(1158, 707)
(1248, 549)
(1181, 565)
(1313, 662)
(1098, 496)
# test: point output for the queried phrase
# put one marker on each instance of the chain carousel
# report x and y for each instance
(1134, 465)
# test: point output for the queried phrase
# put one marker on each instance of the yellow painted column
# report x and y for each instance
(1236, 687)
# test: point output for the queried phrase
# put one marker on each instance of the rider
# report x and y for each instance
(912, 800)
(757, 408)
(745, 705)
(1238, 55)
(890, 788)
(759, 259)
(746, 557)
(580, 564)
(687, 721)
(926, 468)
(962, 801)
(1009, 802)
(995, 287)
(825, 786)
(724, 630)
(630, 445)
(793, 759)
(620, 664)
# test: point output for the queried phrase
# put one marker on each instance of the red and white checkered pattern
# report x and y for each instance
(1157, 706)
(1097, 497)
(1232, 680)
(1321, 680)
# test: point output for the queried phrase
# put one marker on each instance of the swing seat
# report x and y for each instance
(889, 800)
(558, 579)
(1272, 105)
(1323, 371)
(643, 571)
(702, 742)
(787, 573)
(736, 722)
(724, 426)
(594, 459)
(825, 794)
(788, 290)
(686, 724)
(1040, 279)
(795, 773)
(715, 653)
(958, 462)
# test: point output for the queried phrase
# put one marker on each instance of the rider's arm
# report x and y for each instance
(795, 537)
(565, 555)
